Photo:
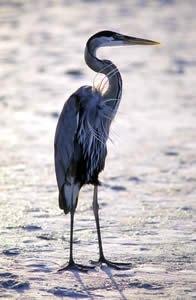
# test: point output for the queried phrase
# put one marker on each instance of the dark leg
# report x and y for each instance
(102, 259)
(71, 265)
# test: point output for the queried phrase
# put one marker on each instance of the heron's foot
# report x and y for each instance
(71, 265)
(116, 265)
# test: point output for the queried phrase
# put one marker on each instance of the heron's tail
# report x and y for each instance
(62, 202)
(67, 192)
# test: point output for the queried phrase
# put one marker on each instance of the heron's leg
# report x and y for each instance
(72, 212)
(71, 264)
(96, 214)
(102, 259)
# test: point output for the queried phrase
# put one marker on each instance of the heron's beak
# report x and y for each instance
(129, 40)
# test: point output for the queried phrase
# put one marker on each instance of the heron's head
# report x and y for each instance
(110, 38)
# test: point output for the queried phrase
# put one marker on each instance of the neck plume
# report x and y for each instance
(107, 68)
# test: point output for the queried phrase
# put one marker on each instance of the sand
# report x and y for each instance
(147, 199)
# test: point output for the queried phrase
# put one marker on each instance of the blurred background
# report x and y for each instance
(150, 170)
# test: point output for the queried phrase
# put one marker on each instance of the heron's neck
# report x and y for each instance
(106, 67)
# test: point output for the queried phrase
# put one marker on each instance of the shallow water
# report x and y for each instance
(147, 199)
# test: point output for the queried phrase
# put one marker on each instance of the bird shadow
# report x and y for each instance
(79, 279)
(114, 283)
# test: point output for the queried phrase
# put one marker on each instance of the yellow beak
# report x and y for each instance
(129, 40)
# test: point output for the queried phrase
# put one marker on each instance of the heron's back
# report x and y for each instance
(80, 143)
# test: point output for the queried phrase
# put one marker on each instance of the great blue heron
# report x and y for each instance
(82, 132)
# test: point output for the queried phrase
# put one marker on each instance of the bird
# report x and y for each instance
(81, 135)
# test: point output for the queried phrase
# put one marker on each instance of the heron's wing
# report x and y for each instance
(64, 138)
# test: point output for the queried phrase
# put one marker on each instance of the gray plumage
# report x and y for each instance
(83, 129)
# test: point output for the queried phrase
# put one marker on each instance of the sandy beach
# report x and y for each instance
(147, 199)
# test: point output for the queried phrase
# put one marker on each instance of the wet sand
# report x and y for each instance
(147, 199)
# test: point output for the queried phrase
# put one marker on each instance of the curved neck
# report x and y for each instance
(106, 67)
